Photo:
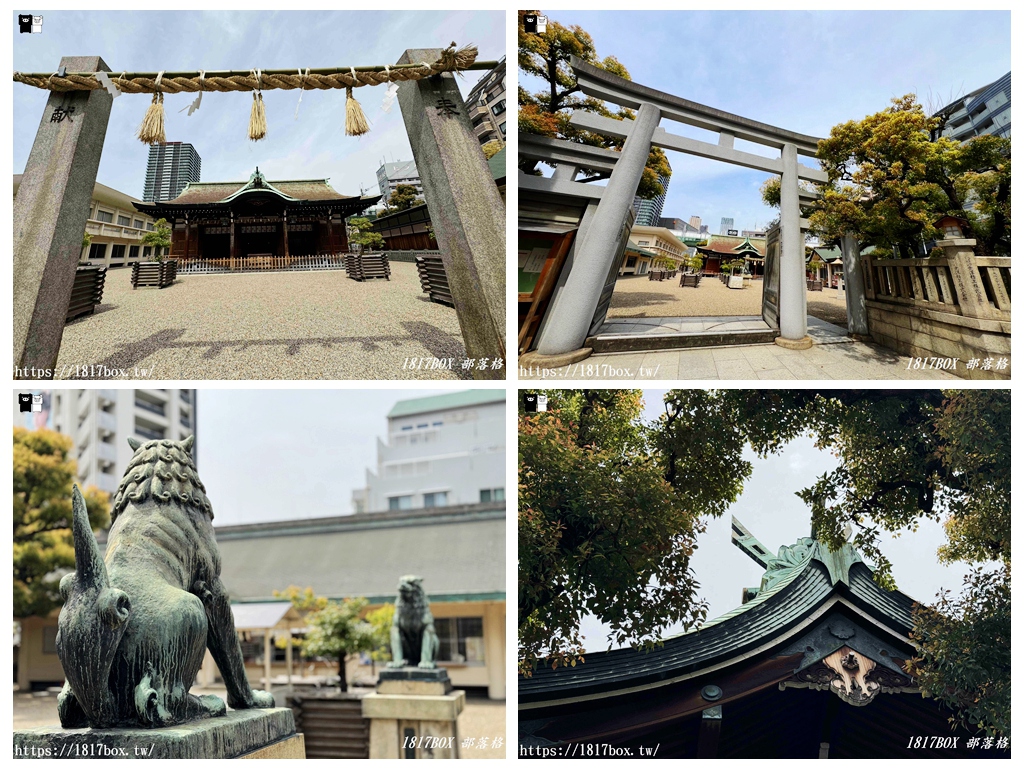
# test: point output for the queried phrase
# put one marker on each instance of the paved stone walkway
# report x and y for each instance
(273, 325)
(834, 356)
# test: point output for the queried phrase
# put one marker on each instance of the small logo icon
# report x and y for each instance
(37, 25)
(542, 403)
(25, 23)
(530, 23)
(529, 402)
(542, 24)
(25, 402)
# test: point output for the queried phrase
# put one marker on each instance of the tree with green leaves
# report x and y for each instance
(404, 197)
(380, 619)
(492, 147)
(888, 183)
(158, 238)
(604, 497)
(547, 112)
(336, 631)
(361, 232)
(43, 545)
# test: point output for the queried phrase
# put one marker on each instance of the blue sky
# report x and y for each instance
(801, 70)
(314, 146)
(770, 510)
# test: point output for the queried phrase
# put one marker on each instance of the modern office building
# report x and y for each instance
(390, 175)
(441, 450)
(114, 227)
(695, 222)
(759, 233)
(648, 212)
(488, 105)
(727, 224)
(983, 111)
(100, 421)
(172, 165)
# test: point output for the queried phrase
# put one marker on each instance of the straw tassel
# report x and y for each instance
(151, 131)
(356, 123)
(257, 118)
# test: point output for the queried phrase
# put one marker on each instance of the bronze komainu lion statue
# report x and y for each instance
(413, 638)
(135, 625)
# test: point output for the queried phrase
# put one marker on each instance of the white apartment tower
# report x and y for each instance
(442, 450)
(100, 421)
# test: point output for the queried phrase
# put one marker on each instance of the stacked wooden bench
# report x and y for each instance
(158, 274)
(433, 279)
(367, 266)
(86, 292)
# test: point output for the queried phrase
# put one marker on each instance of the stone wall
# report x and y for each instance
(925, 333)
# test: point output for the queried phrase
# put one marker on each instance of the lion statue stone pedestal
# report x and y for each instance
(137, 623)
(414, 711)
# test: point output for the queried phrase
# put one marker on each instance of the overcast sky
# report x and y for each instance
(770, 510)
(312, 147)
(277, 454)
(801, 70)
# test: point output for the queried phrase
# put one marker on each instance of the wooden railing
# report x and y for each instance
(961, 284)
(316, 261)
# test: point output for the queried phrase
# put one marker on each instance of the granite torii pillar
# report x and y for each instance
(50, 212)
(466, 210)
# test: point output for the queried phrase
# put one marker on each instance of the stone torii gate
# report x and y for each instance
(564, 331)
(52, 206)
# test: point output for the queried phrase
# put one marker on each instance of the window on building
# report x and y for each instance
(149, 225)
(138, 223)
(133, 252)
(104, 216)
(436, 499)
(492, 494)
(116, 252)
(643, 242)
(462, 640)
(437, 424)
(124, 221)
(498, 107)
(502, 129)
(399, 502)
(98, 251)
(407, 428)
(631, 261)
(146, 250)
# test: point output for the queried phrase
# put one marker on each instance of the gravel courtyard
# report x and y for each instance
(640, 297)
(275, 325)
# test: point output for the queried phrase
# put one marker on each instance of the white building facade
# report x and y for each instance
(100, 421)
(442, 450)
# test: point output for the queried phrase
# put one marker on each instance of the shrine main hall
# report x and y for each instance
(240, 222)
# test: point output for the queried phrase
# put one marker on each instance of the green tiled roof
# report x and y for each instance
(497, 165)
(452, 400)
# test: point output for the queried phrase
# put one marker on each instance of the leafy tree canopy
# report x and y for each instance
(888, 183)
(547, 112)
(361, 232)
(610, 508)
(159, 236)
(43, 545)
(404, 197)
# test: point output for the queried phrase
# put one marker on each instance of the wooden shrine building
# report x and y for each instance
(242, 221)
(721, 249)
(813, 664)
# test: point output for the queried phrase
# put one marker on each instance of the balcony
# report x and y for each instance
(483, 129)
(118, 231)
(106, 452)
(106, 396)
(149, 433)
(106, 422)
(145, 405)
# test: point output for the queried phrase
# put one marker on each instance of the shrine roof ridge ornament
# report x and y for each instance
(600, 84)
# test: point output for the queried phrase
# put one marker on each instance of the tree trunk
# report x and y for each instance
(342, 681)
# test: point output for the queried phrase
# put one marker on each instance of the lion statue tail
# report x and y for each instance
(91, 624)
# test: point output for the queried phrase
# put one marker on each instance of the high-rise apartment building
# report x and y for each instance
(442, 450)
(172, 165)
(648, 212)
(488, 105)
(984, 111)
(695, 222)
(727, 224)
(100, 421)
(390, 175)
